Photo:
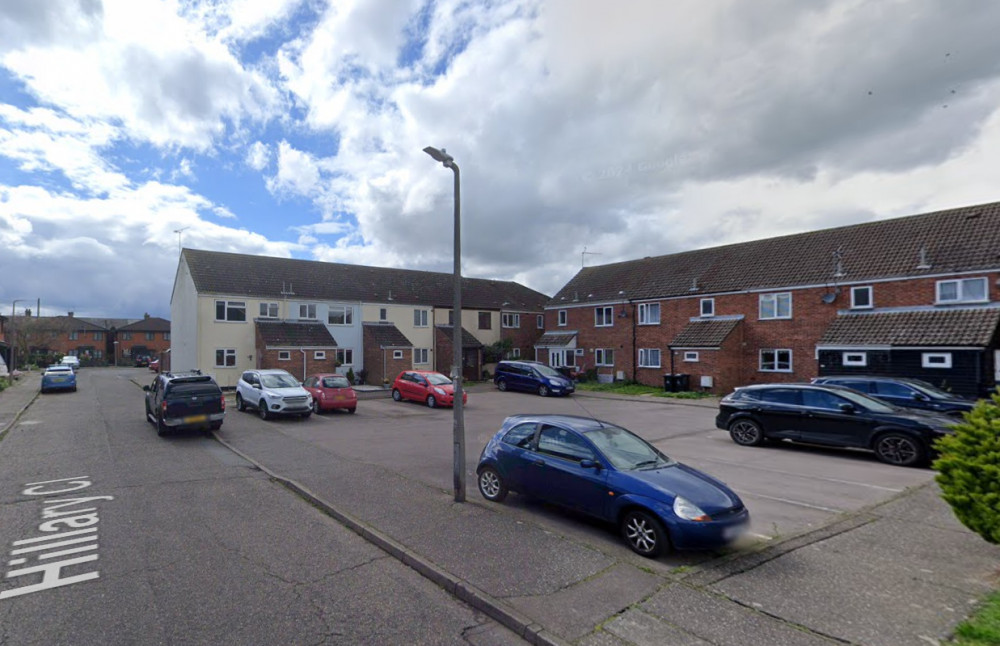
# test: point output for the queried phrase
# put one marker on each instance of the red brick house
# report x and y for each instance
(149, 336)
(300, 347)
(915, 296)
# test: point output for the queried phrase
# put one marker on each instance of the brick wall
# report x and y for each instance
(268, 359)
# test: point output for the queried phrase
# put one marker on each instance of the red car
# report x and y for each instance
(154, 365)
(330, 392)
(425, 386)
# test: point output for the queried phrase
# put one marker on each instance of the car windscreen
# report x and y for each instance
(625, 450)
(278, 381)
(865, 401)
(436, 379)
(546, 371)
(336, 382)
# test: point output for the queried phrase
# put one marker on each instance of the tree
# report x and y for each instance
(969, 469)
(498, 351)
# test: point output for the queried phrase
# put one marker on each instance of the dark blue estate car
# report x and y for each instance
(612, 474)
(900, 391)
(532, 377)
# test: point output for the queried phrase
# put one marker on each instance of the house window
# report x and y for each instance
(340, 315)
(511, 320)
(126, 336)
(604, 357)
(935, 360)
(540, 321)
(344, 356)
(649, 313)
(775, 360)
(150, 336)
(230, 311)
(485, 321)
(284, 355)
(707, 307)
(451, 317)
(225, 358)
(967, 290)
(319, 355)
(307, 311)
(268, 310)
(419, 318)
(776, 306)
(166, 336)
(563, 317)
(859, 359)
(516, 353)
(691, 356)
(74, 336)
(397, 354)
(861, 297)
(421, 355)
(98, 336)
(649, 357)
(604, 316)
(383, 314)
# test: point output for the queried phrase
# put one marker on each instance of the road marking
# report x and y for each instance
(801, 475)
(797, 503)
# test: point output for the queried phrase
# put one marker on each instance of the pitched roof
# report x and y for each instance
(292, 334)
(65, 324)
(151, 324)
(468, 339)
(555, 339)
(962, 239)
(708, 333)
(387, 335)
(215, 272)
(107, 323)
(950, 327)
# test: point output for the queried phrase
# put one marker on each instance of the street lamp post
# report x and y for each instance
(116, 354)
(458, 426)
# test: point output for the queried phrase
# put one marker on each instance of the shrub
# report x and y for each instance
(969, 469)
(350, 375)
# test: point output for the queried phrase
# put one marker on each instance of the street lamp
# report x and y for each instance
(458, 427)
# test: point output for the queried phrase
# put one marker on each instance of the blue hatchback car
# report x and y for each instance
(608, 472)
(58, 377)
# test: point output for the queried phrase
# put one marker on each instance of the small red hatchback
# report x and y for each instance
(331, 392)
(425, 386)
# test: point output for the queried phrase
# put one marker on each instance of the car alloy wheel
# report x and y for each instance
(543, 390)
(240, 404)
(262, 409)
(644, 534)
(899, 450)
(491, 485)
(746, 432)
(396, 395)
(502, 385)
(315, 407)
(431, 402)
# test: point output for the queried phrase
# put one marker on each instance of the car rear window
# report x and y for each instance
(781, 396)
(191, 388)
(336, 382)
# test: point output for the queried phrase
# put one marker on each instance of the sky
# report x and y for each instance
(586, 132)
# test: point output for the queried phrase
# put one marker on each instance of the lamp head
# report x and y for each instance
(439, 155)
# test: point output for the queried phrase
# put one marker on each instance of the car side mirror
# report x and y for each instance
(146, 388)
(847, 408)
(920, 397)
(590, 464)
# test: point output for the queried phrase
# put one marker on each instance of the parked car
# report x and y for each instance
(831, 416)
(272, 392)
(901, 391)
(331, 392)
(58, 377)
(154, 365)
(71, 361)
(532, 376)
(184, 400)
(608, 472)
(142, 361)
(426, 386)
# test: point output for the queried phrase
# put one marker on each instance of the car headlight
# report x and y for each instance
(687, 510)
(439, 391)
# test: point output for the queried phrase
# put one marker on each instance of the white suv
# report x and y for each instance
(272, 392)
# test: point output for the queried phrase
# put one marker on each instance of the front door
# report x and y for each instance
(471, 370)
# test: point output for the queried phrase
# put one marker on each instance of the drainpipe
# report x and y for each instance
(635, 358)
(303, 363)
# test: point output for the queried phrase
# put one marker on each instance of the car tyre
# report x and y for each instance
(899, 450)
(396, 395)
(306, 415)
(502, 385)
(543, 390)
(644, 534)
(315, 407)
(431, 401)
(746, 432)
(240, 404)
(352, 410)
(161, 428)
(491, 485)
(262, 410)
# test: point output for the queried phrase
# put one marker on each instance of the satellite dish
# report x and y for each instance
(829, 297)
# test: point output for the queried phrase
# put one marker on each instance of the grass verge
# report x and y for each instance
(982, 628)
(631, 388)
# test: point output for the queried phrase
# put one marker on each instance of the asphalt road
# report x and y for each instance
(113, 535)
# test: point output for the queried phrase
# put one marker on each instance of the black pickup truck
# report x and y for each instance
(184, 400)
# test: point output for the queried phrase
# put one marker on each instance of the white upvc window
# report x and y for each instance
(540, 321)
(234, 311)
(563, 318)
(966, 290)
(383, 314)
(604, 357)
(284, 355)
(649, 357)
(397, 354)
(707, 307)
(691, 357)
(340, 315)
(604, 316)
(345, 356)
(861, 298)
(307, 311)
(510, 320)
(935, 360)
(421, 355)
(420, 318)
(858, 359)
(776, 306)
(268, 310)
(649, 313)
(319, 355)
(776, 360)
(225, 358)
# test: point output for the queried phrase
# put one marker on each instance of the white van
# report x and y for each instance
(73, 362)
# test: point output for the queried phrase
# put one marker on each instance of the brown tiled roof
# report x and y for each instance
(944, 327)
(468, 339)
(63, 324)
(108, 323)
(266, 277)
(708, 333)
(555, 339)
(962, 239)
(152, 324)
(290, 334)
(387, 335)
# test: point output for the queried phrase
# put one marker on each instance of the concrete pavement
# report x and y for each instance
(900, 572)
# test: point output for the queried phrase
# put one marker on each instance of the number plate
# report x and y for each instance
(733, 531)
(194, 419)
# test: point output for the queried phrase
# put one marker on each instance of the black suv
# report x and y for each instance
(183, 400)
(900, 391)
(831, 416)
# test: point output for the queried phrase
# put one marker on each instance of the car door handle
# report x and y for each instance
(538, 463)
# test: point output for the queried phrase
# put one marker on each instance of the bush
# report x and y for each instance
(350, 376)
(969, 469)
